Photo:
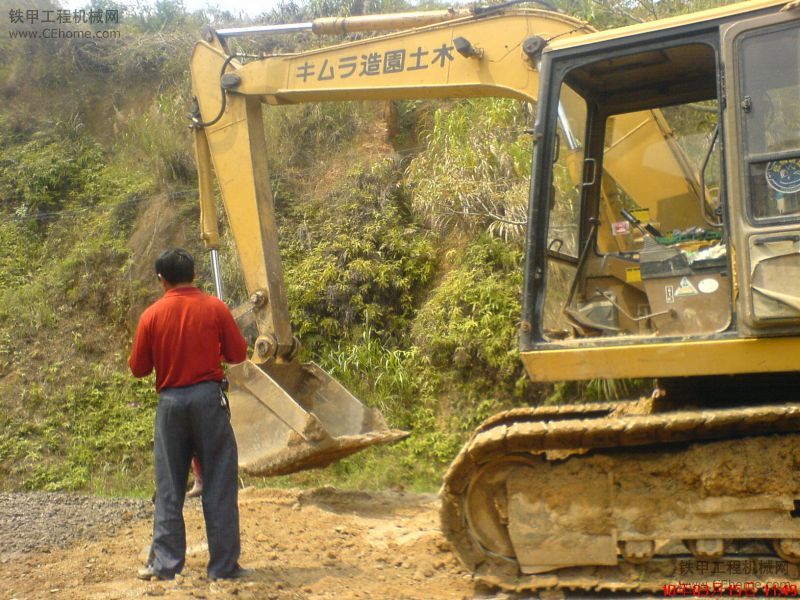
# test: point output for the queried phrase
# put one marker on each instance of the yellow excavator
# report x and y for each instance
(663, 241)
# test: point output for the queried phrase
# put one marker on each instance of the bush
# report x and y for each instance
(101, 437)
(469, 324)
(364, 263)
(46, 172)
(159, 138)
(474, 170)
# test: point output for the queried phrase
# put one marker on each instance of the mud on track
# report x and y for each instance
(322, 543)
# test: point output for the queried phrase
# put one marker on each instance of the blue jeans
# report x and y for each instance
(192, 419)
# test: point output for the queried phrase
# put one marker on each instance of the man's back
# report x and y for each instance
(184, 335)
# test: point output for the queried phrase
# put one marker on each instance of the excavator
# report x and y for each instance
(663, 242)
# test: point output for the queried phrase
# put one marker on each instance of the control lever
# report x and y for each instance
(646, 228)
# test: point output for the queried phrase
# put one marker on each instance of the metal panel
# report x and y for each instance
(641, 358)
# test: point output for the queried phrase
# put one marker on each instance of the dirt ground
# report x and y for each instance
(322, 543)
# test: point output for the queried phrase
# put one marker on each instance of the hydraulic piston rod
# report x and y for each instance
(342, 25)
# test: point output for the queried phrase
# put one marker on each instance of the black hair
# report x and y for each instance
(175, 266)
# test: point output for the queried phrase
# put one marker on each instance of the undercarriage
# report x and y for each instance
(616, 497)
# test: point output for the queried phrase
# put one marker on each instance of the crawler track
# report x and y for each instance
(556, 432)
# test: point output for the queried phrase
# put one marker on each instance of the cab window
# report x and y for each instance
(770, 109)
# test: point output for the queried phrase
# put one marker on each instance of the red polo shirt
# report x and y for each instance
(184, 336)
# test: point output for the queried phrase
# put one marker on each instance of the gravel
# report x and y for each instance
(38, 521)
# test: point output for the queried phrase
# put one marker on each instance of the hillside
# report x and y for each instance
(396, 286)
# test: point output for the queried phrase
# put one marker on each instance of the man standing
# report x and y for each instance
(184, 336)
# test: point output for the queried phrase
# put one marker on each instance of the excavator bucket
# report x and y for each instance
(294, 416)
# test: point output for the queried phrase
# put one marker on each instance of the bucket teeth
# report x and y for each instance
(302, 456)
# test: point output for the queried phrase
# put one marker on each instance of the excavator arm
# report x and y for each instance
(287, 415)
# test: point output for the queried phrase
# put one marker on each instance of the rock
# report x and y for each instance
(443, 545)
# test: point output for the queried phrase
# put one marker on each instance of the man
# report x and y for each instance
(184, 336)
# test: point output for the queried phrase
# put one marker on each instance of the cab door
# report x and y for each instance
(761, 57)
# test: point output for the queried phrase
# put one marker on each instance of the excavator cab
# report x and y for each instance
(646, 243)
(665, 236)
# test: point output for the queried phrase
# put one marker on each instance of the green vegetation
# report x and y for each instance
(465, 178)
(71, 418)
(100, 439)
(402, 252)
(364, 264)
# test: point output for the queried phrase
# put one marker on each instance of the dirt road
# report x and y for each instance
(322, 543)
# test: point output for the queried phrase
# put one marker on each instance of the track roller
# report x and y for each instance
(706, 549)
(787, 549)
(637, 552)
